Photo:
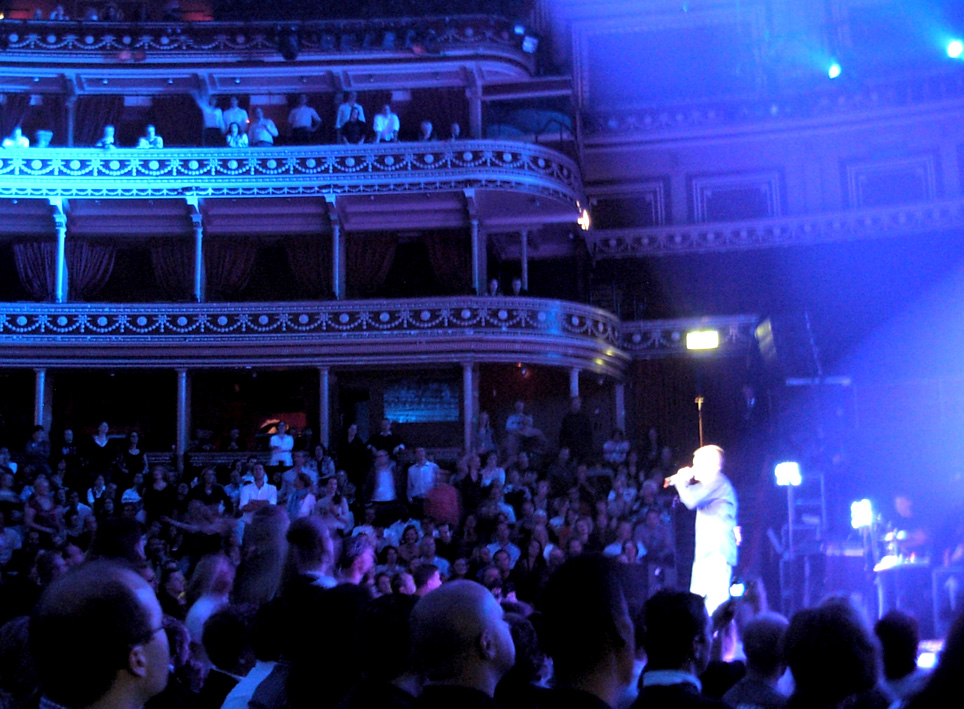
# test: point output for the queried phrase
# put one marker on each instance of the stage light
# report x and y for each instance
(861, 514)
(519, 29)
(702, 340)
(788, 474)
(834, 70)
(584, 221)
(530, 44)
(955, 48)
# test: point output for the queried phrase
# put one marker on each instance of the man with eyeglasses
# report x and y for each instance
(115, 614)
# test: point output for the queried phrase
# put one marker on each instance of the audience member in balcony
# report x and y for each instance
(386, 125)
(303, 120)
(513, 421)
(483, 441)
(517, 289)
(345, 113)
(385, 489)
(281, 445)
(58, 14)
(37, 451)
(425, 132)
(262, 131)
(16, 139)
(492, 287)
(455, 132)
(150, 139)
(235, 114)
(235, 138)
(353, 131)
(100, 454)
(91, 14)
(43, 138)
(106, 141)
(212, 121)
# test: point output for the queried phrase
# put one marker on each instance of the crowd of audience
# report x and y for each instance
(307, 578)
(233, 127)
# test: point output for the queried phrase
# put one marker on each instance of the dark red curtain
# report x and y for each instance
(49, 115)
(451, 258)
(369, 259)
(442, 107)
(173, 261)
(12, 113)
(36, 263)
(228, 266)
(177, 120)
(92, 113)
(310, 262)
(88, 268)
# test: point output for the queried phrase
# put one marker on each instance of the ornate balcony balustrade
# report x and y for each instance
(868, 223)
(412, 331)
(661, 338)
(389, 168)
(153, 42)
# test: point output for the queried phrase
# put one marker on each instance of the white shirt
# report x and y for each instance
(263, 131)
(235, 115)
(251, 491)
(303, 117)
(386, 127)
(239, 697)
(281, 446)
(421, 479)
(384, 486)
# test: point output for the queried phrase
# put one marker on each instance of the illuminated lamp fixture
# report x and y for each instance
(834, 70)
(702, 339)
(861, 514)
(955, 48)
(584, 221)
(530, 44)
(788, 474)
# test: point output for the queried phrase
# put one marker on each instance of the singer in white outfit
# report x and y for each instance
(706, 489)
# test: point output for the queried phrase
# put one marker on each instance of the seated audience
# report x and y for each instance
(386, 125)
(150, 139)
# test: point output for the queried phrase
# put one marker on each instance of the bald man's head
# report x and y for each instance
(459, 631)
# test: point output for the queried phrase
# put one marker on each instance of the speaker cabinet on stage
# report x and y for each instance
(907, 587)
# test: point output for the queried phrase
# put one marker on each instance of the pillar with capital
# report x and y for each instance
(183, 416)
(324, 405)
(469, 402)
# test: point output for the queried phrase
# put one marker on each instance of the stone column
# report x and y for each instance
(41, 398)
(183, 416)
(619, 404)
(60, 278)
(198, 290)
(474, 95)
(338, 254)
(324, 405)
(524, 258)
(574, 382)
(468, 402)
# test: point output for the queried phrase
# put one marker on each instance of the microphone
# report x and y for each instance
(683, 475)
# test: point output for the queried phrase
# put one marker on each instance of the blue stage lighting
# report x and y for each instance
(955, 48)
(834, 71)
(788, 474)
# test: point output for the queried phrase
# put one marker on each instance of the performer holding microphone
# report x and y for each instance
(706, 489)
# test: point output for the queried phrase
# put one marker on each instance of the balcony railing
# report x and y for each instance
(379, 332)
(290, 171)
(152, 42)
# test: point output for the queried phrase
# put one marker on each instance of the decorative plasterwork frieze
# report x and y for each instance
(260, 172)
(152, 42)
(346, 332)
(663, 338)
(777, 112)
(905, 220)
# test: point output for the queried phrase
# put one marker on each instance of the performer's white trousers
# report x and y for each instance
(711, 579)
